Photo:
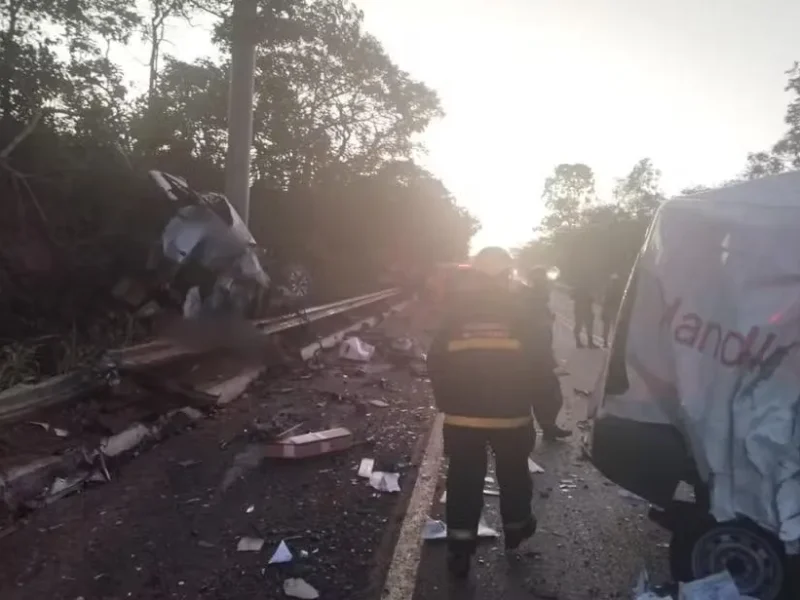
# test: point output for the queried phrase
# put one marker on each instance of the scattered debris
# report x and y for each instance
(434, 530)
(484, 531)
(249, 544)
(715, 587)
(125, 440)
(365, 468)
(488, 479)
(437, 530)
(385, 482)
(298, 588)
(375, 369)
(583, 393)
(47, 427)
(281, 555)
(63, 486)
(354, 349)
(403, 345)
(443, 499)
(379, 403)
(250, 509)
(311, 444)
(488, 492)
(533, 467)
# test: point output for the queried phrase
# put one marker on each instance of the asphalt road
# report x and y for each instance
(592, 541)
(168, 524)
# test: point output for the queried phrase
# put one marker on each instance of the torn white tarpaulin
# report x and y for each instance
(720, 361)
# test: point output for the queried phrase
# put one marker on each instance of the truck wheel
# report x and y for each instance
(755, 558)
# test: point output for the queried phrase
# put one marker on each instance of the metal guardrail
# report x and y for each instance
(23, 399)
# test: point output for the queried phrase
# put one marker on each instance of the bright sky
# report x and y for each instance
(528, 84)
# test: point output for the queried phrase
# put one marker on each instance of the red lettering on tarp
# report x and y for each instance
(730, 347)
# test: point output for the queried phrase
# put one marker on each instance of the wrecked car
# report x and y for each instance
(209, 256)
(702, 384)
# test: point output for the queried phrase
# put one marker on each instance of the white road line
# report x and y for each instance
(402, 577)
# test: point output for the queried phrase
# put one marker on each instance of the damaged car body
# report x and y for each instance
(210, 258)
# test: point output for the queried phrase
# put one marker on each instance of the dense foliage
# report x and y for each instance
(336, 124)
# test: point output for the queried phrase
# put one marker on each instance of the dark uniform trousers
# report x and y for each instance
(584, 320)
(466, 448)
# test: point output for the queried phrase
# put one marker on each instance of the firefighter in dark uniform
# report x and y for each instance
(489, 365)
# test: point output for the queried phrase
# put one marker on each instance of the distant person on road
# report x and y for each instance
(611, 302)
(539, 294)
(583, 313)
(489, 364)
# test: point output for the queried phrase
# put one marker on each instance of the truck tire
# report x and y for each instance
(755, 558)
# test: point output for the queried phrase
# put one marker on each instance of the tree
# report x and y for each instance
(329, 94)
(788, 147)
(639, 192)
(567, 191)
(762, 164)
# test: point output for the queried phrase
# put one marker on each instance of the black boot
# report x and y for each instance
(458, 563)
(554, 432)
(515, 537)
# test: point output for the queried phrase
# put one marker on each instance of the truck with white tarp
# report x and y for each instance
(702, 383)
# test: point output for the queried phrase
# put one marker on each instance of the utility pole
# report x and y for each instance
(240, 105)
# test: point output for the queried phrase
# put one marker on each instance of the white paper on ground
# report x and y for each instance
(365, 468)
(484, 531)
(437, 530)
(487, 492)
(379, 403)
(298, 588)
(434, 530)
(355, 349)
(533, 467)
(443, 499)
(385, 482)
(281, 555)
(715, 587)
(248, 544)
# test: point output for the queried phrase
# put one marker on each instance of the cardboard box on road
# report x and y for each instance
(315, 443)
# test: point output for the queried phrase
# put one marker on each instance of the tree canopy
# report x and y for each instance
(336, 129)
(589, 238)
